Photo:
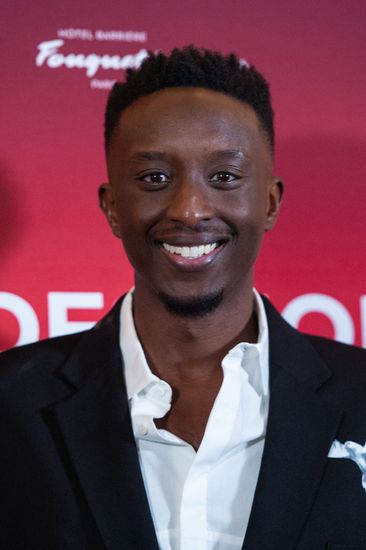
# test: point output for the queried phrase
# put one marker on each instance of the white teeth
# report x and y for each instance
(191, 252)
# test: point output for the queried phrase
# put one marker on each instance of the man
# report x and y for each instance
(192, 416)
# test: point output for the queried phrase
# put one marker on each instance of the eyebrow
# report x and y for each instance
(147, 155)
(229, 154)
(220, 154)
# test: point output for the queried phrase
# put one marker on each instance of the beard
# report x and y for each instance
(192, 307)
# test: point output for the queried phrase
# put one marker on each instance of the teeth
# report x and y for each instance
(191, 252)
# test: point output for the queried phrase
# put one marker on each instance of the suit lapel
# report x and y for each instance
(96, 430)
(301, 428)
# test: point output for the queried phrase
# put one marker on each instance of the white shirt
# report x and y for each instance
(200, 500)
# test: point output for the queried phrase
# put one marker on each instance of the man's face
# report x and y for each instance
(191, 192)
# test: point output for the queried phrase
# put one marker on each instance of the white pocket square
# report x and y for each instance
(352, 450)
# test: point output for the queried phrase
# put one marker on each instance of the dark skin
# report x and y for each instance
(190, 167)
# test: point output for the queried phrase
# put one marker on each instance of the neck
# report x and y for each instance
(178, 347)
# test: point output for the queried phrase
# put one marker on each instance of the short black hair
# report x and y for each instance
(191, 66)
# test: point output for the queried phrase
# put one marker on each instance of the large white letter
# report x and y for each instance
(321, 303)
(25, 315)
(46, 49)
(60, 302)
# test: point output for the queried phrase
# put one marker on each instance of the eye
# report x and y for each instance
(155, 178)
(223, 177)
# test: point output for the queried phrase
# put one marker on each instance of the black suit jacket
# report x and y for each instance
(70, 476)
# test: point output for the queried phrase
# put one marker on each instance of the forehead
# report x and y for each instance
(188, 119)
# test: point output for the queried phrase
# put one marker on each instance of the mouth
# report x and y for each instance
(192, 257)
(191, 252)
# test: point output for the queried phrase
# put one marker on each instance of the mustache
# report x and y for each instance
(208, 228)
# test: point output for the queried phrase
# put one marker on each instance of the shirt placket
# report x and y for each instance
(194, 515)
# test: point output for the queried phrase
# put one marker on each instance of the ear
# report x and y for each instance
(108, 205)
(275, 193)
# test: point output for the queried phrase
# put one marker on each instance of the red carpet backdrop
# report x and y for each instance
(61, 269)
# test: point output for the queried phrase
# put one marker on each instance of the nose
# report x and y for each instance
(190, 203)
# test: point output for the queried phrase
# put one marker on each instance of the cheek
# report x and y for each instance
(130, 225)
(247, 210)
(250, 234)
(246, 249)
(137, 209)
(253, 237)
(249, 220)
(129, 218)
(134, 246)
(135, 219)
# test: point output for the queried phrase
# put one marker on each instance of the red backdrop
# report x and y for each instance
(60, 267)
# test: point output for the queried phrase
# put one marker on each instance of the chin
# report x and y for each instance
(192, 306)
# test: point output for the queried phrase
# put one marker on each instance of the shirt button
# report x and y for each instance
(143, 429)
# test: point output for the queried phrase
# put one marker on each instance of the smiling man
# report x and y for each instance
(191, 417)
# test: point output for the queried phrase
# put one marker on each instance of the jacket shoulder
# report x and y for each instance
(337, 352)
(18, 364)
(347, 365)
(45, 355)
